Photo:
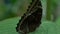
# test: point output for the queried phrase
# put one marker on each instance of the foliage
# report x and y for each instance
(47, 27)
(9, 19)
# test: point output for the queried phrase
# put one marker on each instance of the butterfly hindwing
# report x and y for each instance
(31, 19)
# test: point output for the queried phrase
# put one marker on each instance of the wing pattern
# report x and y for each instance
(31, 19)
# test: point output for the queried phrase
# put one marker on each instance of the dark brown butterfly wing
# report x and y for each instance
(31, 19)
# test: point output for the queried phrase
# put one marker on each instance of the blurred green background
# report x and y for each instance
(12, 10)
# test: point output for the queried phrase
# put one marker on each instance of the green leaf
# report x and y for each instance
(8, 26)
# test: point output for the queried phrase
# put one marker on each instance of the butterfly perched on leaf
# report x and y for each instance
(31, 19)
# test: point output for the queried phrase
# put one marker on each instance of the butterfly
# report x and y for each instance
(31, 19)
